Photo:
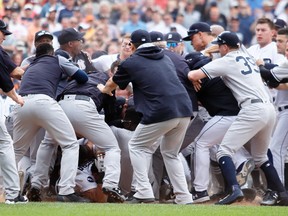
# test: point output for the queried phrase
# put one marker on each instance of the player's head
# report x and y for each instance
(200, 35)
(42, 37)
(44, 49)
(227, 41)
(174, 42)
(264, 31)
(139, 37)
(157, 38)
(3, 28)
(71, 40)
(281, 40)
(196, 60)
(4, 31)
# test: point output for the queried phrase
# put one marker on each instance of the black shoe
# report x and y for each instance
(114, 193)
(129, 196)
(139, 201)
(18, 200)
(272, 198)
(200, 196)
(34, 195)
(234, 195)
(71, 198)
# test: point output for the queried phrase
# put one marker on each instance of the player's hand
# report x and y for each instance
(104, 90)
(260, 62)
(20, 100)
(197, 85)
(210, 50)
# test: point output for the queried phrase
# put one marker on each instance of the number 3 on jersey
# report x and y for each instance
(248, 63)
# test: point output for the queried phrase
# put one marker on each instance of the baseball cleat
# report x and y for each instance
(234, 195)
(18, 200)
(114, 193)
(272, 198)
(71, 198)
(200, 196)
(245, 171)
(34, 195)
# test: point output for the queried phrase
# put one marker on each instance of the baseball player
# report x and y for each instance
(7, 156)
(89, 124)
(146, 68)
(38, 88)
(254, 122)
(217, 98)
(27, 163)
(279, 142)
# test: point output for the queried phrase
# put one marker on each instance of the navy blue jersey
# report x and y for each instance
(6, 67)
(157, 90)
(217, 98)
(182, 70)
(44, 74)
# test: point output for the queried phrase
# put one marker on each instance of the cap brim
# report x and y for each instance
(45, 35)
(173, 41)
(5, 32)
(187, 38)
(216, 42)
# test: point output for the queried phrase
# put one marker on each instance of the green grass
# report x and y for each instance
(70, 209)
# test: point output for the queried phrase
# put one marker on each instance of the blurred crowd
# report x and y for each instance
(105, 21)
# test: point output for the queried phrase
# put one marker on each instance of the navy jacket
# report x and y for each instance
(158, 93)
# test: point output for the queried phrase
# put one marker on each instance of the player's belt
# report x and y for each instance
(256, 101)
(76, 97)
(282, 108)
(251, 101)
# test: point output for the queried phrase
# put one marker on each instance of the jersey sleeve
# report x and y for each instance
(121, 77)
(281, 71)
(214, 69)
(68, 67)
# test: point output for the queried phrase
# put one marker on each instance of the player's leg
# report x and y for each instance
(279, 143)
(276, 193)
(8, 165)
(170, 146)
(89, 124)
(141, 148)
(212, 134)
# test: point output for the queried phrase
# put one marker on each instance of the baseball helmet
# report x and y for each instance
(196, 60)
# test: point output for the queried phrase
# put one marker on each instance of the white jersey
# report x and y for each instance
(269, 53)
(240, 73)
(280, 72)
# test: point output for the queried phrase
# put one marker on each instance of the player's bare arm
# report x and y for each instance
(17, 73)
(15, 97)
(108, 88)
(195, 76)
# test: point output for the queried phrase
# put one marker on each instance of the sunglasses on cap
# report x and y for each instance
(172, 45)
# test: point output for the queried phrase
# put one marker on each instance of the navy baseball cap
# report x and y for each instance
(3, 28)
(43, 33)
(227, 37)
(140, 36)
(279, 23)
(173, 37)
(69, 34)
(156, 36)
(196, 60)
(195, 28)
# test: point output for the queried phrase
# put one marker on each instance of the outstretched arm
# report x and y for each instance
(195, 76)
(15, 97)
(108, 88)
